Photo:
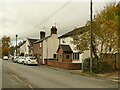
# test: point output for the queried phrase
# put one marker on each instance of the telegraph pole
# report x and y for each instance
(91, 48)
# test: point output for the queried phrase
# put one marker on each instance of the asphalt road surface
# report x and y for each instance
(44, 77)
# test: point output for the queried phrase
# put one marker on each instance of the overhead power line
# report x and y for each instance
(48, 18)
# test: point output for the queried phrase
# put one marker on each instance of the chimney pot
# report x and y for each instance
(53, 30)
(42, 34)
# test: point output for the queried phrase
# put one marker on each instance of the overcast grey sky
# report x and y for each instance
(28, 17)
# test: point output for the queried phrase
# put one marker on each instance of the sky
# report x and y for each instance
(27, 18)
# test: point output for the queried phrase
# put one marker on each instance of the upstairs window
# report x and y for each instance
(63, 40)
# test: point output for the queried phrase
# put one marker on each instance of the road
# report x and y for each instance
(44, 77)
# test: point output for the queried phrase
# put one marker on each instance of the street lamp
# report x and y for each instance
(16, 44)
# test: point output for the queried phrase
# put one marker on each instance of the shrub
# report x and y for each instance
(97, 66)
(86, 65)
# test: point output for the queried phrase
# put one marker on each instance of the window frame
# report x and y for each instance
(61, 56)
(74, 56)
(66, 56)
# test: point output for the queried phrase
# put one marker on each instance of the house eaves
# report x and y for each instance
(75, 32)
(41, 40)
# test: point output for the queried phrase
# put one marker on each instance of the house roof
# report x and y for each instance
(40, 40)
(65, 48)
(21, 44)
(32, 41)
(75, 31)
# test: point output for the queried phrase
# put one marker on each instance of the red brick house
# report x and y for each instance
(37, 47)
(64, 59)
(46, 46)
(64, 53)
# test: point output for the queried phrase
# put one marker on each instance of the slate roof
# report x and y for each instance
(65, 48)
(32, 41)
(40, 40)
(75, 31)
(21, 44)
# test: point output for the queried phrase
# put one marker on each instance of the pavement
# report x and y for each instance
(113, 76)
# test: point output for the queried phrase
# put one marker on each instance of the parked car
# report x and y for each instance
(5, 58)
(21, 59)
(30, 60)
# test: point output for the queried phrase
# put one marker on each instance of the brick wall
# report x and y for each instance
(60, 51)
(38, 52)
(112, 59)
(64, 65)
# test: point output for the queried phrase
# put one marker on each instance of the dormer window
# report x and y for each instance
(63, 40)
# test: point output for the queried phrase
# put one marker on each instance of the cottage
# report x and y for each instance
(64, 60)
(29, 46)
(46, 47)
(66, 39)
(25, 48)
(21, 48)
(64, 53)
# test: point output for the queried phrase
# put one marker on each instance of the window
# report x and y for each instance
(75, 56)
(54, 56)
(68, 56)
(63, 40)
(60, 56)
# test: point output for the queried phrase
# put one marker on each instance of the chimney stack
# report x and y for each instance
(53, 30)
(42, 34)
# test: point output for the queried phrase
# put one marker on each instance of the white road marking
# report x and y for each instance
(22, 81)
(17, 78)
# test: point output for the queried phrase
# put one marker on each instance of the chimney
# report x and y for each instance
(42, 34)
(53, 30)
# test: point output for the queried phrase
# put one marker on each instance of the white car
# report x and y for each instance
(21, 59)
(31, 61)
(5, 58)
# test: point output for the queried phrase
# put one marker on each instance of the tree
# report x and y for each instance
(5, 45)
(105, 37)
(12, 49)
(105, 26)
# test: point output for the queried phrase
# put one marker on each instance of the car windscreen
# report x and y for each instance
(32, 58)
(22, 57)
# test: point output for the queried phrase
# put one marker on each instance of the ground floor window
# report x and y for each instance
(61, 56)
(67, 56)
(75, 56)
(55, 56)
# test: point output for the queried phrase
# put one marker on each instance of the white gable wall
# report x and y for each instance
(67, 41)
(22, 48)
(50, 46)
(53, 44)
(26, 47)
